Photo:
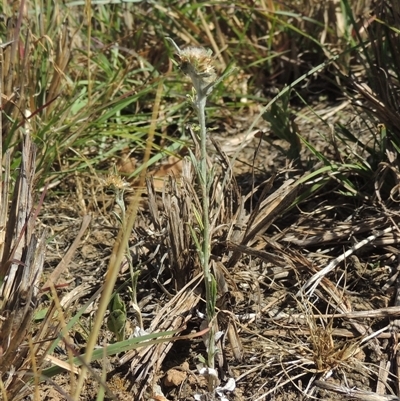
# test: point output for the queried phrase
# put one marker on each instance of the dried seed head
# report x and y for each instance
(201, 61)
(115, 182)
(199, 65)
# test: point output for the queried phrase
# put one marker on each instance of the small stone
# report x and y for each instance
(174, 378)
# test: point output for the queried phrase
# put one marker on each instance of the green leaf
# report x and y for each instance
(116, 348)
(117, 320)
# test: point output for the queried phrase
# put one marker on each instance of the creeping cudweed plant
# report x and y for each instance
(198, 64)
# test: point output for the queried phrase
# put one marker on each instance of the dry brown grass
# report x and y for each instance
(308, 288)
(22, 254)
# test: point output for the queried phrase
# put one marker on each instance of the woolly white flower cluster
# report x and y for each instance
(197, 63)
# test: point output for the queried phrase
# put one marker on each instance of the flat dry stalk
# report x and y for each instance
(354, 393)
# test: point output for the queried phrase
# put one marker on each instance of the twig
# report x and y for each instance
(317, 277)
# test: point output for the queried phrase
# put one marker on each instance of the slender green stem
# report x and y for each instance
(206, 245)
(197, 64)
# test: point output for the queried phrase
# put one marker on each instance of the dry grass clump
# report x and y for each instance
(174, 218)
(175, 221)
(22, 254)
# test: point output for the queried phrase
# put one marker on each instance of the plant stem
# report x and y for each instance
(197, 64)
(201, 100)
